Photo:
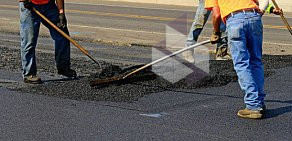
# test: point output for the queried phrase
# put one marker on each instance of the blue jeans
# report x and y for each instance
(29, 31)
(200, 20)
(245, 34)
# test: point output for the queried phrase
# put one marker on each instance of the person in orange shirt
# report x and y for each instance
(245, 39)
(216, 18)
(29, 31)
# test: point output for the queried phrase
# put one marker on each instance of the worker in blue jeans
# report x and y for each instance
(245, 33)
(245, 38)
(29, 31)
(200, 20)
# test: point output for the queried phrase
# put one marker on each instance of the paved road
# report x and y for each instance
(203, 114)
(172, 114)
(127, 24)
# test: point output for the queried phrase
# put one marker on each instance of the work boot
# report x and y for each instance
(222, 54)
(32, 79)
(67, 72)
(252, 114)
(188, 55)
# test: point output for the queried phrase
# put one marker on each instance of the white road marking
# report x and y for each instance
(118, 29)
(151, 8)
(148, 32)
(138, 7)
(161, 33)
(5, 19)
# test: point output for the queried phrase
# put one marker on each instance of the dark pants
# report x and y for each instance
(29, 32)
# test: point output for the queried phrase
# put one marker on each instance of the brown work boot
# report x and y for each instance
(252, 114)
(222, 54)
(32, 79)
(215, 37)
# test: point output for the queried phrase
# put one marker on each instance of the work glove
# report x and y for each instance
(27, 4)
(215, 37)
(277, 11)
(62, 21)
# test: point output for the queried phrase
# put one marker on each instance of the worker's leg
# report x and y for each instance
(29, 30)
(200, 20)
(255, 44)
(238, 30)
(62, 45)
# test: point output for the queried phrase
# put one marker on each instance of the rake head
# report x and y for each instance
(118, 77)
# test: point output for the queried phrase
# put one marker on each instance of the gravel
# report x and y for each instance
(142, 84)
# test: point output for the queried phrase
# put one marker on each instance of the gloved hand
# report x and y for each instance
(62, 21)
(215, 37)
(27, 4)
(277, 11)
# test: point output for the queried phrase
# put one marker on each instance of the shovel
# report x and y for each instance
(67, 37)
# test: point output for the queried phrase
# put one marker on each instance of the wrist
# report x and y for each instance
(61, 11)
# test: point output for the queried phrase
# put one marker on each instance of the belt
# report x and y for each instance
(242, 11)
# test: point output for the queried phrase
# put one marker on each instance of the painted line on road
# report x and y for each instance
(136, 16)
(148, 32)
(149, 17)
(137, 7)
(7, 81)
(160, 33)
(119, 29)
(122, 15)
(5, 19)
(150, 8)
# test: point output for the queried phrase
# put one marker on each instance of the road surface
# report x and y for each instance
(62, 109)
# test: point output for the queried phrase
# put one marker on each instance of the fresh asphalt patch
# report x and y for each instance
(221, 73)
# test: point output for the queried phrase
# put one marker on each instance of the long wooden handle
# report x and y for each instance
(166, 57)
(283, 18)
(66, 36)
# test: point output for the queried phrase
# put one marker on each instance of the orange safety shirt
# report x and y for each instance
(229, 6)
(209, 4)
(40, 2)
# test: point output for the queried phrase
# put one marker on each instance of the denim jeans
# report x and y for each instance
(245, 34)
(200, 20)
(29, 31)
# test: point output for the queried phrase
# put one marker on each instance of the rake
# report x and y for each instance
(123, 77)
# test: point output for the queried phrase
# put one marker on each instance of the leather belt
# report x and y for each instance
(242, 11)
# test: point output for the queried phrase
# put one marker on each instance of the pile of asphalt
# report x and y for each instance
(221, 73)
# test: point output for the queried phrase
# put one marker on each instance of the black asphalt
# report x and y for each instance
(62, 109)
(202, 114)
(120, 17)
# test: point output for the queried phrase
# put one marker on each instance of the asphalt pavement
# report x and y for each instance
(145, 24)
(66, 109)
(201, 114)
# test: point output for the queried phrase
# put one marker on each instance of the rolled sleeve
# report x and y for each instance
(209, 4)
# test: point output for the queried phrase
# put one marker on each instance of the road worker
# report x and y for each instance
(29, 31)
(245, 39)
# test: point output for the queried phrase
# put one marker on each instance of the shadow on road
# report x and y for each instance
(271, 113)
(63, 79)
